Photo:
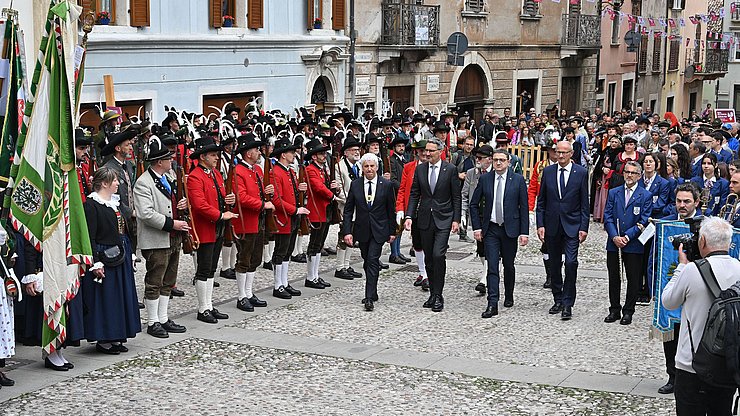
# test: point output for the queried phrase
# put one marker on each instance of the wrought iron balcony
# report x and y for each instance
(410, 25)
(581, 31)
(712, 65)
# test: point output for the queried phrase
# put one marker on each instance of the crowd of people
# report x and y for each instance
(253, 189)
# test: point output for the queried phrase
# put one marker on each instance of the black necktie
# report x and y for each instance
(369, 193)
(562, 182)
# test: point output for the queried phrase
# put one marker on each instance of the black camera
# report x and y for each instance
(690, 242)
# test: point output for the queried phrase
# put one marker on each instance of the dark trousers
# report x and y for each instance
(563, 291)
(207, 255)
(694, 397)
(161, 269)
(498, 245)
(284, 244)
(415, 237)
(669, 351)
(317, 238)
(434, 243)
(249, 252)
(633, 271)
(645, 284)
(370, 252)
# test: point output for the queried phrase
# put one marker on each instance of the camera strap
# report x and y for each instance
(707, 275)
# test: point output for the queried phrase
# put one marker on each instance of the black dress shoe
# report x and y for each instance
(119, 347)
(110, 350)
(171, 326)
(412, 252)
(396, 260)
(141, 305)
(67, 364)
(547, 284)
(324, 282)
(257, 302)
(489, 312)
(267, 265)
(228, 274)
(176, 292)
(404, 258)
(353, 273)
(425, 285)
(383, 266)
(313, 285)
(429, 302)
(49, 364)
(301, 258)
(558, 307)
(218, 315)
(508, 303)
(369, 305)
(567, 313)
(281, 293)
(216, 284)
(667, 388)
(438, 304)
(480, 288)
(329, 251)
(5, 381)
(612, 317)
(293, 292)
(207, 317)
(626, 319)
(418, 280)
(244, 305)
(157, 331)
(343, 274)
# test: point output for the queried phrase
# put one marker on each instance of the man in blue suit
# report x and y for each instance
(627, 207)
(499, 222)
(697, 150)
(562, 223)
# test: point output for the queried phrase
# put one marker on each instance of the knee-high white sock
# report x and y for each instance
(201, 290)
(232, 256)
(347, 257)
(152, 315)
(164, 304)
(277, 272)
(55, 358)
(420, 263)
(297, 247)
(60, 353)
(340, 258)
(270, 250)
(209, 294)
(225, 253)
(241, 282)
(316, 263)
(484, 277)
(284, 273)
(309, 267)
(249, 282)
(195, 261)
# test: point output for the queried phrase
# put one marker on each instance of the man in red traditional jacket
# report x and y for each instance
(251, 203)
(321, 191)
(407, 178)
(210, 210)
(287, 211)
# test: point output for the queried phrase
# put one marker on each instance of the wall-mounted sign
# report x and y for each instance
(432, 83)
(362, 86)
(363, 57)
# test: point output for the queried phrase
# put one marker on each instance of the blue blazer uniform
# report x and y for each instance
(660, 189)
(621, 220)
(717, 195)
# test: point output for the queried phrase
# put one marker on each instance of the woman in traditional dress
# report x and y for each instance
(109, 291)
(603, 172)
(7, 336)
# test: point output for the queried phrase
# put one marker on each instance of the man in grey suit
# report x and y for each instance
(435, 205)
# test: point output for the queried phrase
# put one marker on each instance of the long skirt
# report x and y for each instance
(7, 335)
(600, 203)
(111, 308)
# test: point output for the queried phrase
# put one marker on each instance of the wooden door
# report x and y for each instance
(570, 94)
(400, 97)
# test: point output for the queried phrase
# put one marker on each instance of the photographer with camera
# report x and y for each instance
(688, 289)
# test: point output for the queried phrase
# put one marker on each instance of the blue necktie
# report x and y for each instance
(562, 182)
(166, 184)
(354, 169)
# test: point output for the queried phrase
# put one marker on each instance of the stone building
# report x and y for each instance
(545, 48)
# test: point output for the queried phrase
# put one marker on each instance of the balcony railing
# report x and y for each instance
(713, 62)
(413, 25)
(581, 31)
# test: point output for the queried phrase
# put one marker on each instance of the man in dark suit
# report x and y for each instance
(627, 208)
(562, 223)
(371, 201)
(502, 219)
(435, 205)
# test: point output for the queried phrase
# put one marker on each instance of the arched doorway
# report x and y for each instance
(470, 91)
(321, 93)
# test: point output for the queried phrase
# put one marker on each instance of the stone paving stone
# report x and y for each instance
(198, 376)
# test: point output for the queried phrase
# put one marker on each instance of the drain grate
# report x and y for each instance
(408, 268)
(457, 255)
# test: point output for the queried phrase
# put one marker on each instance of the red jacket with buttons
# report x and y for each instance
(404, 192)
(319, 194)
(203, 195)
(249, 197)
(283, 180)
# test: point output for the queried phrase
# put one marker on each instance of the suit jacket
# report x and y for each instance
(249, 196)
(441, 208)
(516, 208)
(126, 206)
(396, 171)
(660, 189)
(285, 197)
(472, 176)
(319, 195)
(621, 220)
(723, 155)
(345, 176)
(572, 210)
(696, 169)
(154, 217)
(717, 195)
(204, 202)
(376, 222)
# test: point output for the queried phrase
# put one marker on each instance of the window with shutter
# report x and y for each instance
(642, 64)
(139, 10)
(338, 14)
(531, 8)
(575, 6)
(657, 45)
(87, 6)
(673, 55)
(474, 5)
(314, 13)
(255, 14)
(97, 6)
(215, 12)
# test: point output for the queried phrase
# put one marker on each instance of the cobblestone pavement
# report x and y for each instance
(218, 378)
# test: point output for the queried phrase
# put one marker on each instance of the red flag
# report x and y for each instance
(651, 21)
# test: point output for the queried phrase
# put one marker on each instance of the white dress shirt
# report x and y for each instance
(374, 181)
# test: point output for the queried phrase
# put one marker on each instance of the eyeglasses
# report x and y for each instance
(631, 173)
(481, 157)
(563, 152)
(431, 150)
(500, 160)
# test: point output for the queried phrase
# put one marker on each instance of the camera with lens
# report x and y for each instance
(690, 242)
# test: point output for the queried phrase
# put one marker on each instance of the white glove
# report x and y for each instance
(399, 217)
(3, 236)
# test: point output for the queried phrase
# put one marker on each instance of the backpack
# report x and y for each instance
(716, 358)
